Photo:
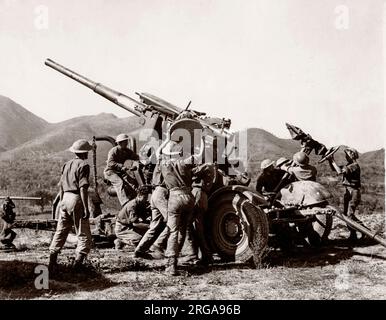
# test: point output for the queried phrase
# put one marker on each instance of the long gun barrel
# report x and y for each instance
(116, 97)
(355, 225)
(21, 198)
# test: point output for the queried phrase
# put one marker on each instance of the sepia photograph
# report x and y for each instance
(192, 150)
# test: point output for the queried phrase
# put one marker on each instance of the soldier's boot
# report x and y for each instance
(78, 263)
(171, 267)
(53, 262)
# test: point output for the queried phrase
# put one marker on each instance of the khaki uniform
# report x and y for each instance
(303, 173)
(115, 169)
(128, 227)
(203, 177)
(75, 175)
(158, 204)
(267, 182)
(177, 176)
(352, 195)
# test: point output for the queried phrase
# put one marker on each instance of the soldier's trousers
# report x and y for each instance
(200, 209)
(159, 205)
(192, 231)
(351, 200)
(180, 206)
(71, 212)
(130, 235)
(119, 186)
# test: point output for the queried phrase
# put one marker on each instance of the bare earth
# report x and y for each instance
(334, 272)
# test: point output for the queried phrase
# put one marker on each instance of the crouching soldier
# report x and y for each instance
(131, 222)
(74, 210)
(351, 180)
(7, 235)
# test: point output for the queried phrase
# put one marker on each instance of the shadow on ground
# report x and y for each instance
(17, 280)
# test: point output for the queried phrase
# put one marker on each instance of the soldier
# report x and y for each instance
(115, 168)
(158, 205)
(351, 180)
(74, 209)
(130, 225)
(300, 167)
(7, 235)
(177, 174)
(270, 176)
(203, 177)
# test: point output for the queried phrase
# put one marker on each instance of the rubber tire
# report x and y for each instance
(251, 247)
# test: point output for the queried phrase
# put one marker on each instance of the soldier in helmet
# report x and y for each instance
(351, 180)
(176, 171)
(271, 175)
(115, 168)
(300, 167)
(74, 210)
(131, 222)
(7, 235)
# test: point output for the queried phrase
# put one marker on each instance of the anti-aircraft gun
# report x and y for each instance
(239, 219)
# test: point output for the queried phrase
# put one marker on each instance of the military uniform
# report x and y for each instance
(177, 176)
(268, 181)
(158, 205)
(203, 177)
(75, 175)
(115, 169)
(7, 235)
(352, 183)
(303, 173)
(130, 225)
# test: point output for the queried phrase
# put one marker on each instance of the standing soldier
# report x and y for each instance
(7, 235)
(203, 177)
(115, 168)
(177, 175)
(159, 208)
(74, 210)
(130, 225)
(351, 180)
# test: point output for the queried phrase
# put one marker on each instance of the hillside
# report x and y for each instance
(17, 124)
(57, 137)
(34, 164)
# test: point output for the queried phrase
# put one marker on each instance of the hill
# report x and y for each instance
(34, 164)
(57, 137)
(17, 124)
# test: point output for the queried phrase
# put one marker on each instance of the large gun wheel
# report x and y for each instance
(237, 229)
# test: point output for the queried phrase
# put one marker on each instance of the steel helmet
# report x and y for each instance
(81, 146)
(122, 137)
(352, 153)
(300, 158)
(266, 164)
(281, 161)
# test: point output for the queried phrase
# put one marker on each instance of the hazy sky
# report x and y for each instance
(260, 63)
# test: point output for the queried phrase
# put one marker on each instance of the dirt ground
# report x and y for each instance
(335, 271)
